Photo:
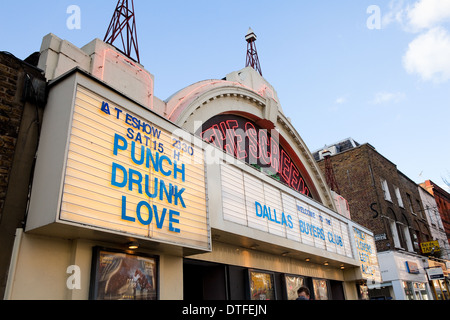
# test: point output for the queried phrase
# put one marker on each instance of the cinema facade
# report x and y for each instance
(209, 195)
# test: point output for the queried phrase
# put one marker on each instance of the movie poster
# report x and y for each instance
(120, 276)
(320, 289)
(293, 283)
(261, 286)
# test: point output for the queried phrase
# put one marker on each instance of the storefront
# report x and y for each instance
(404, 276)
(438, 277)
(209, 195)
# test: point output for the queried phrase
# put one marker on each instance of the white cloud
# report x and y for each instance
(429, 55)
(385, 97)
(341, 100)
(426, 14)
(416, 16)
(397, 13)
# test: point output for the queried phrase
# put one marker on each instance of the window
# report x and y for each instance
(415, 241)
(384, 186)
(394, 232)
(419, 209)
(399, 197)
(410, 203)
(407, 237)
(408, 288)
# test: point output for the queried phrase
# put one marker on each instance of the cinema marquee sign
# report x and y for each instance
(126, 174)
(256, 146)
(252, 202)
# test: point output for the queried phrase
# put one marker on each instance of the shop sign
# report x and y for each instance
(429, 247)
(381, 236)
(249, 201)
(435, 273)
(367, 255)
(128, 175)
(412, 267)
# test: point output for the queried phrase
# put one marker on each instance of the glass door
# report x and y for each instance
(408, 288)
(420, 291)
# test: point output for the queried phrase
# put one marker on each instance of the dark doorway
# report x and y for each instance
(337, 290)
(204, 281)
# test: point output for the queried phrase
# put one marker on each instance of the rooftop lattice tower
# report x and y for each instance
(252, 54)
(123, 26)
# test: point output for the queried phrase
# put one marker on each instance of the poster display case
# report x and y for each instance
(118, 275)
(320, 289)
(262, 285)
(292, 284)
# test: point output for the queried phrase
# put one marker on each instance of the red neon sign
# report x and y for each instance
(259, 147)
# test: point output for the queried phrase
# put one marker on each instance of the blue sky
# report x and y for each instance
(377, 71)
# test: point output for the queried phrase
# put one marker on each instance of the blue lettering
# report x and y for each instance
(130, 134)
(118, 112)
(105, 108)
(330, 237)
(163, 190)
(302, 226)
(156, 132)
(136, 123)
(172, 220)
(161, 159)
(266, 213)
(149, 194)
(117, 146)
(139, 138)
(129, 119)
(259, 210)
(176, 170)
(290, 223)
(312, 230)
(179, 196)
(133, 154)
(147, 218)
(139, 216)
(124, 210)
(114, 182)
(154, 161)
(275, 216)
(283, 219)
(137, 181)
(159, 220)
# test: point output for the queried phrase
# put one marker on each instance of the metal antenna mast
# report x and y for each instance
(252, 54)
(123, 24)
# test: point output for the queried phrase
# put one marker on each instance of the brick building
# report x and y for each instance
(443, 203)
(387, 202)
(22, 97)
(380, 197)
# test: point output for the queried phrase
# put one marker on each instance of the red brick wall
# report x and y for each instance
(358, 172)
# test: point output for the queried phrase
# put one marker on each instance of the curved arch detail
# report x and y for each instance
(192, 106)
